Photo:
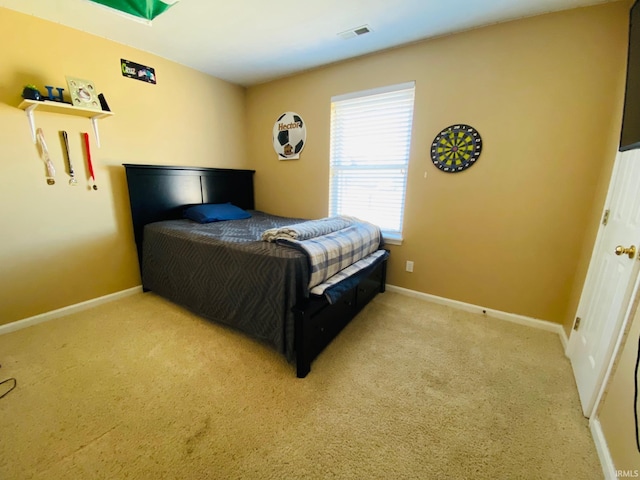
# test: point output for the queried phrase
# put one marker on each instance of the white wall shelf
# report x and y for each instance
(30, 106)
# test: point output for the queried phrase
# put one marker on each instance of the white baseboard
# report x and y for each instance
(468, 307)
(60, 312)
(608, 468)
(564, 339)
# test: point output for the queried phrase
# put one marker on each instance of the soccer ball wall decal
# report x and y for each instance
(289, 135)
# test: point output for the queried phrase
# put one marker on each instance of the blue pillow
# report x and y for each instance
(215, 212)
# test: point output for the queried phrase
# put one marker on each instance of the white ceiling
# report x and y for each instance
(253, 41)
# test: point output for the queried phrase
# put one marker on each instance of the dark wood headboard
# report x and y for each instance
(158, 192)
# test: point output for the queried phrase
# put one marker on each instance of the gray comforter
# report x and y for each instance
(224, 272)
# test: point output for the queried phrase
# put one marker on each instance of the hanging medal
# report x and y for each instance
(44, 155)
(89, 164)
(72, 181)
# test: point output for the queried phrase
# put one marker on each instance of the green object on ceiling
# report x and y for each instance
(146, 9)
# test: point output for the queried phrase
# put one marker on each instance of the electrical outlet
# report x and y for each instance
(409, 266)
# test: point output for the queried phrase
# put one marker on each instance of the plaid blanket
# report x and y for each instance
(336, 285)
(308, 229)
(328, 254)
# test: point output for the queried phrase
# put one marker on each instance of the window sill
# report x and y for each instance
(392, 240)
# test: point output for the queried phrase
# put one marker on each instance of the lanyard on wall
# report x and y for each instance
(44, 154)
(89, 164)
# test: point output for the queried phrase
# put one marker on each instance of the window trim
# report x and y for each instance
(391, 238)
(374, 91)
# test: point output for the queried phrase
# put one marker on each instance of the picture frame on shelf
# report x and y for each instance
(83, 93)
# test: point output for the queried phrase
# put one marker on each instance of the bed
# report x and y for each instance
(224, 272)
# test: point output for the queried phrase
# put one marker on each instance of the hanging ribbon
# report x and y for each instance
(44, 154)
(89, 164)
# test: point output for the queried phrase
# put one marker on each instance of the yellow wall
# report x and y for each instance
(62, 245)
(616, 412)
(515, 231)
(512, 233)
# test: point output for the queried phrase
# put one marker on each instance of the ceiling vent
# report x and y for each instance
(355, 32)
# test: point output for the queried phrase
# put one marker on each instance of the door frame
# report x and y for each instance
(631, 299)
(632, 306)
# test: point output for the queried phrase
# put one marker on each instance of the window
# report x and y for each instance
(370, 143)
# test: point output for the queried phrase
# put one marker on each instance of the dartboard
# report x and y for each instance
(456, 148)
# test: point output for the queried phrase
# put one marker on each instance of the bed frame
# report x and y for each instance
(159, 193)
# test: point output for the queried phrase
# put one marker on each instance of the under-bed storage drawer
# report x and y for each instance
(370, 286)
(366, 291)
(317, 322)
(327, 322)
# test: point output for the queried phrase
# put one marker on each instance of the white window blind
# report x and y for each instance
(370, 143)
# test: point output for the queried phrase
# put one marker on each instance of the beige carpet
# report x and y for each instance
(142, 389)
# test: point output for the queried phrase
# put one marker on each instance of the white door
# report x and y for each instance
(610, 282)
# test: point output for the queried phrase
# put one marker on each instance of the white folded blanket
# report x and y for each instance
(308, 229)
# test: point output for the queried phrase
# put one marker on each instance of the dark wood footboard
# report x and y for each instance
(317, 322)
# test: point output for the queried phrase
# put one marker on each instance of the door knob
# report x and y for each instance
(631, 251)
